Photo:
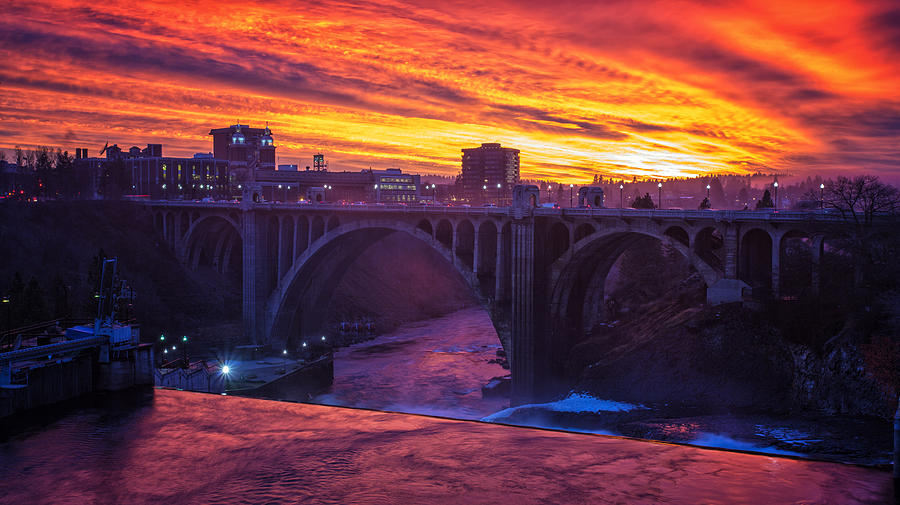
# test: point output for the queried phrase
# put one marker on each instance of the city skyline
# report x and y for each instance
(661, 89)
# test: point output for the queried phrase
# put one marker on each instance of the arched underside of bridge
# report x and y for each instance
(214, 241)
(298, 305)
(578, 281)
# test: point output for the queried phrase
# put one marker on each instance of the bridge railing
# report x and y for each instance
(675, 214)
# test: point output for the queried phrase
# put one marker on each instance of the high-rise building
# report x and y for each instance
(488, 173)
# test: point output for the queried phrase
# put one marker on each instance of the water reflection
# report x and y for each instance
(200, 448)
(431, 367)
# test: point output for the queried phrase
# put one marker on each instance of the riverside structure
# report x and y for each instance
(539, 272)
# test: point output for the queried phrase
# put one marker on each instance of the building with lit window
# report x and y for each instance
(488, 174)
(160, 177)
(393, 186)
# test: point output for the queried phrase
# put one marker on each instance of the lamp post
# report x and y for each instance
(707, 192)
(433, 193)
(498, 193)
(184, 350)
(8, 304)
(279, 187)
(484, 194)
(659, 198)
(571, 194)
(775, 185)
(327, 187)
(549, 187)
(821, 196)
(621, 195)
(376, 192)
(284, 361)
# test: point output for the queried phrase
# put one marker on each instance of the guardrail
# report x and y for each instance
(717, 215)
(8, 358)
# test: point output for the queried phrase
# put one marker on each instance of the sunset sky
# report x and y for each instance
(581, 87)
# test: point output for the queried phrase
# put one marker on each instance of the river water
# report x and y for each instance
(438, 367)
(179, 447)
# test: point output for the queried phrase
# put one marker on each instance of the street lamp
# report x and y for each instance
(707, 192)
(775, 185)
(659, 198)
(621, 195)
(498, 193)
(8, 304)
(549, 187)
(284, 361)
(821, 196)
(571, 194)
(184, 350)
(484, 194)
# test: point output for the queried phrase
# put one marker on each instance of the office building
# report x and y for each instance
(488, 174)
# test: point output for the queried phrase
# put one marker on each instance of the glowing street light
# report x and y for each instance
(659, 198)
(498, 193)
(707, 191)
(775, 185)
(226, 369)
(571, 194)
(821, 197)
(621, 195)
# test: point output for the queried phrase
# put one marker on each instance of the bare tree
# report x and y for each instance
(861, 198)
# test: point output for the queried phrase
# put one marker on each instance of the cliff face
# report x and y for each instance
(662, 345)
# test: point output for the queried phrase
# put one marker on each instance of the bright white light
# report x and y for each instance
(821, 186)
(304, 344)
(776, 184)
(226, 369)
(323, 338)
(659, 185)
(284, 352)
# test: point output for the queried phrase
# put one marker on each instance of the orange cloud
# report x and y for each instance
(626, 88)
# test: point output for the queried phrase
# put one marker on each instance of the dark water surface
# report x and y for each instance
(185, 447)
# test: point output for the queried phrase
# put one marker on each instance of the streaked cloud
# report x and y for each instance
(626, 88)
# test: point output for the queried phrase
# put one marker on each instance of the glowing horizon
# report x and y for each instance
(658, 89)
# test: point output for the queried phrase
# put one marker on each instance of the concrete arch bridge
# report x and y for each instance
(539, 272)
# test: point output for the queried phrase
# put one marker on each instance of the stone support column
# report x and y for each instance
(475, 242)
(522, 364)
(818, 243)
(279, 264)
(499, 270)
(254, 278)
(776, 265)
(731, 252)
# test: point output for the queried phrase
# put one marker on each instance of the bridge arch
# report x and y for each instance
(298, 304)
(756, 258)
(577, 280)
(213, 239)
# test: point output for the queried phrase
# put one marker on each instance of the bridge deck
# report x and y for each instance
(717, 215)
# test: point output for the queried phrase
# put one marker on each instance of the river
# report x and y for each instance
(168, 446)
(438, 367)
